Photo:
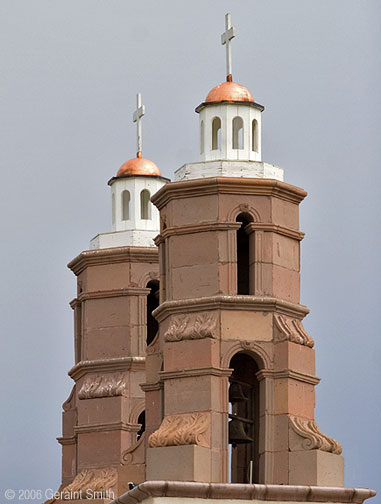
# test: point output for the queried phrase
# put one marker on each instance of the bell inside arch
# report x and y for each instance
(237, 434)
(236, 393)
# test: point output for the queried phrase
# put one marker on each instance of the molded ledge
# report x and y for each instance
(280, 493)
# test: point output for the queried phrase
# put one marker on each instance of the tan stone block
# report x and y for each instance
(219, 466)
(136, 379)
(316, 467)
(285, 213)
(101, 449)
(100, 410)
(267, 278)
(193, 249)
(194, 281)
(300, 358)
(194, 393)
(286, 252)
(280, 433)
(286, 284)
(69, 419)
(107, 277)
(280, 467)
(106, 342)
(153, 366)
(108, 312)
(225, 279)
(294, 397)
(153, 410)
(82, 282)
(246, 325)
(190, 354)
(195, 210)
(179, 463)
(68, 463)
(223, 242)
(266, 253)
(219, 431)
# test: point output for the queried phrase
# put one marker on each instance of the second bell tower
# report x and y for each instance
(230, 393)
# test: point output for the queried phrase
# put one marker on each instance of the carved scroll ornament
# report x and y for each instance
(185, 429)
(292, 330)
(187, 328)
(93, 480)
(313, 438)
(109, 385)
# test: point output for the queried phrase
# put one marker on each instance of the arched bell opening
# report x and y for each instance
(142, 422)
(152, 304)
(254, 135)
(244, 255)
(145, 207)
(216, 133)
(237, 133)
(125, 205)
(243, 424)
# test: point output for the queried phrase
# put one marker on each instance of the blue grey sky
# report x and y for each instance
(70, 71)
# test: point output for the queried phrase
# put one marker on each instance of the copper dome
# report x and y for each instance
(138, 166)
(229, 92)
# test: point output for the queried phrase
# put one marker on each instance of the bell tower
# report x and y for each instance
(103, 440)
(230, 389)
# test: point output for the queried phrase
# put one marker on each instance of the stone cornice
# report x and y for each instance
(106, 365)
(227, 185)
(274, 228)
(288, 373)
(185, 373)
(200, 228)
(68, 440)
(112, 256)
(128, 291)
(236, 491)
(102, 427)
(239, 302)
(74, 303)
(151, 387)
(226, 226)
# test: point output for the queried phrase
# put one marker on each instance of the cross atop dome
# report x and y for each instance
(226, 39)
(137, 117)
(138, 165)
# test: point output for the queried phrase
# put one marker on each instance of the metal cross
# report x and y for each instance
(226, 37)
(137, 117)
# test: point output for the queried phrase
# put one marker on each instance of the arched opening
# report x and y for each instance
(202, 137)
(216, 133)
(244, 255)
(145, 208)
(244, 420)
(125, 205)
(113, 208)
(152, 304)
(142, 422)
(254, 135)
(237, 133)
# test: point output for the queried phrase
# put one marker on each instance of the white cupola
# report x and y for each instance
(230, 124)
(134, 219)
(230, 130)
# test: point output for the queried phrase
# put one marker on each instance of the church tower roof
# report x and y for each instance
(231, 92)
(138, 166)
